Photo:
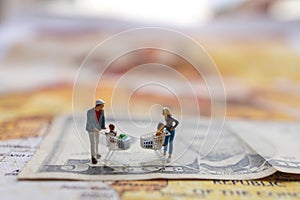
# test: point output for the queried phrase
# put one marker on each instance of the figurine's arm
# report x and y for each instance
(176, 123)
(88, 124)
(161, 128)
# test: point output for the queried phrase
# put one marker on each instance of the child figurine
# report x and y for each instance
(159, 132)
(160, 128)
(171, 124)
(111, 132)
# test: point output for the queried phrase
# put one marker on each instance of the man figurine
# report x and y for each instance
(94, 123)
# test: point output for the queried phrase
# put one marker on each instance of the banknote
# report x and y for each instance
(26, 190)
(14, 154)
(277, 186)
(64, 154)
(285, 186)
(276, 141)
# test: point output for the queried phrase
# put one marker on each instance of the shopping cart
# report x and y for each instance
(114, 144)
(154, 142)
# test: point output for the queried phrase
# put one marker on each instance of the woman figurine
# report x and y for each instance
(170, 125)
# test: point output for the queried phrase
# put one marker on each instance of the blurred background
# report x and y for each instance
(254, 43)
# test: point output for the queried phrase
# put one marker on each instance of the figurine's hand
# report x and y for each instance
(171, 129)
(96, 130)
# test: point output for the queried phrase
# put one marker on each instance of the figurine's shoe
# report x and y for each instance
(94, 160)
(169, 160)
(98, 156)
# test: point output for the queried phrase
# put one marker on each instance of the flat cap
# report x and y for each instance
(99, 102)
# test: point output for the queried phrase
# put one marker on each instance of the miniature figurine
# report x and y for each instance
(111, 132)
(160, 128)
(160, 132)
(114, 143)
(160, 138)
(171, 124)
(95, 122)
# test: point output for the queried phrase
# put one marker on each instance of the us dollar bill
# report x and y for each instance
(64, 154)
(59, 190)
(277, 142)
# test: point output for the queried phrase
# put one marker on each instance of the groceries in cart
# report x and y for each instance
(154, 140)
(124, 142)
(114, 142)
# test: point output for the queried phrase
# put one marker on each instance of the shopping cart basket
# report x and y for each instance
(114, 144)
